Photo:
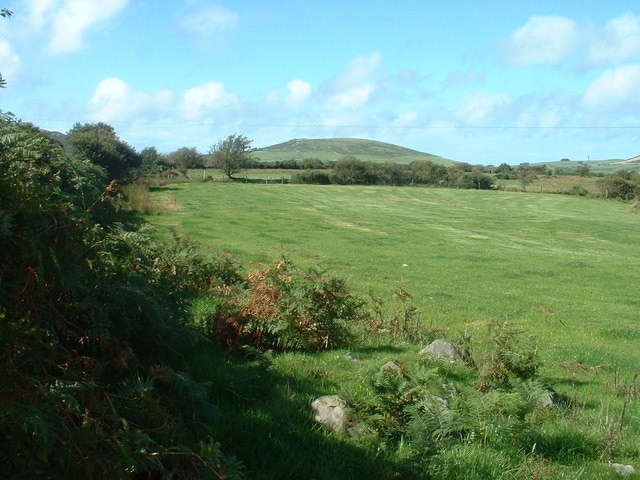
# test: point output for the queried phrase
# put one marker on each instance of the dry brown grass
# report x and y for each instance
(565, 184)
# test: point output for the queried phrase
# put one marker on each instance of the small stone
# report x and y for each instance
(392, 366)
(624, 470)
(442, 350)
(331, 411)
(352, 357)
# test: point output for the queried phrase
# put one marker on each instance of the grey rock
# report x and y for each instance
(443, 351)
(624, 470)
(331, 411)
(392, 366)
(352, 357)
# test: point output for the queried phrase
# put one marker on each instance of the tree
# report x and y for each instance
(504, 171)
(350, 170)
(231, 155)
(620, 185)
(185, 157)
(525, 174)
(4, 13)
(99, 144)
(425, 172)
(583, 170)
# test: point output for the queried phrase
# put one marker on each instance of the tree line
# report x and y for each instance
(99, 144)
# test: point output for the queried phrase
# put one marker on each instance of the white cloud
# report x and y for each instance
(113, 100)
(70, 20)
(210, 20)
(298, 91)
(355, 97)
(9, 61)
(542, 40)
(355, 84)
(545, 118)
(405, 119)
(359, 70)
(38, 11)
(482, 106)
(617, 41)
(200, 100)
(614, 88)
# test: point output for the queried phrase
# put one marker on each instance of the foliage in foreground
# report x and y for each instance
(92, 329)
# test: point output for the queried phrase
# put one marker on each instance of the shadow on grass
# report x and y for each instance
(265, 421)
(370, 350)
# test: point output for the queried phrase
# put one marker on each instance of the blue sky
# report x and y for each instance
(482, 82)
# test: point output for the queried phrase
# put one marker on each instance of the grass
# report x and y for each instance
(564, 269)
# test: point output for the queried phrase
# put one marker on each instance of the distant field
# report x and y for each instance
(566, 267)
(567, 184)
(563, 269)
(604, 167)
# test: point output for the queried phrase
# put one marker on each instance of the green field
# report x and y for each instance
(564, 269)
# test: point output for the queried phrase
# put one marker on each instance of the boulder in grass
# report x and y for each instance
(331, 411)
(393, 367)
(624, 470)
(443, 351)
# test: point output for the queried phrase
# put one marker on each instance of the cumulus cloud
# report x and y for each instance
(38, 11)
(298, 91)
(545, 118)
(614, 88)
(9, 60)
(210, 20)
(205, 98)
(68, 21)
(354, 97)
(482, 106)
(542, 40)
(113, 100)
(355, 84)
(617, 41)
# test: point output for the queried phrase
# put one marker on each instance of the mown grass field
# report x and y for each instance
(564, 269)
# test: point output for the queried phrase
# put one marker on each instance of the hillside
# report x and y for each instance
(331, 149)
(603, 167)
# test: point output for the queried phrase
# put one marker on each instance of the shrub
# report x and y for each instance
(91, 309)
(509, 360)
(311, 177)
(285, 308)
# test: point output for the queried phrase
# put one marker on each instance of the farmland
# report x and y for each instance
(563, 270)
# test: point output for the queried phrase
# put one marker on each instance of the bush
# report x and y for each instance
(285, 308)
(92, 328)
(509, 361)
(311, 177)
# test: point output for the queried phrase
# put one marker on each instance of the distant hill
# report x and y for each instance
(631, 161)
(603, 167)
(58, 137)
(331, 149)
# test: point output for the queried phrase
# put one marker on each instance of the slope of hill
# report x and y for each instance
(58, 137)
(331, 149)
(602, 167)
(634, 161)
